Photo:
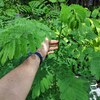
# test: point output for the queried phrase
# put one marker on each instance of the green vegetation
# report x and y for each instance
(67, 74)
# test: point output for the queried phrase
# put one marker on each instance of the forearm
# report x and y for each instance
(18, 82)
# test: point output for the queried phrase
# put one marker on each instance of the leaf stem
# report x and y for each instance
(59, 39)
(55, 69)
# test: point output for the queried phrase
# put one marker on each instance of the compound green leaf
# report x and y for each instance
(18, 49)
(5, 55)
(24, 45)
(36, 90)
(95, 13)
(65, 13)
(73, 88)
(53, 1)
(95, 65)
(82, 13)
(12, 49)
(32, 43)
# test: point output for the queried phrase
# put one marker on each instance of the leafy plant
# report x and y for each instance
(95, 13)
(67, 74)
(21, 34)
(53, 1)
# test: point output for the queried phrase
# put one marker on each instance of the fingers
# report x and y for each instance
(53, 48)
(50, 52)
(51, 42)
(53, 45)
(50, 45)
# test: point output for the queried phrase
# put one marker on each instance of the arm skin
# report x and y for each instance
(17, 83)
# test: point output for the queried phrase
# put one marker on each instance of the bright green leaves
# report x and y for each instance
(95, 24)
(65, 13)
(73, 15)
(95, 65)
(79, 39)
(11, 12)
(24, 45)
(18, 49)
(87, 32)
(54, 1)
(42, 85)
(20, 37)
(4, 53)
(96, 13)
(32, 43)
(7, 52)
(73, 88)
(46, 82)
(11, 49)
(80, 11)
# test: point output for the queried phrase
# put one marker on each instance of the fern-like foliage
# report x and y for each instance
(38, 7)
(42, 83)
(20, 37)
(95, 65)
(73, 88)
(66, 74)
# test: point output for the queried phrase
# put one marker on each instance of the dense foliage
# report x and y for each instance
(67, 74)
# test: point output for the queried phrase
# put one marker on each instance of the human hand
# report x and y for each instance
(48, 47)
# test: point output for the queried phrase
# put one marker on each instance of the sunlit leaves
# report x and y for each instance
(20, 37)
(80, 37)
(69, 12)
(95, 13)
(65, 13)
(53, 1)
(80, 11)
(81, 43)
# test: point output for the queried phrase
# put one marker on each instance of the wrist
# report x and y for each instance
(39, 56)
(42, 52)
(32, 58)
